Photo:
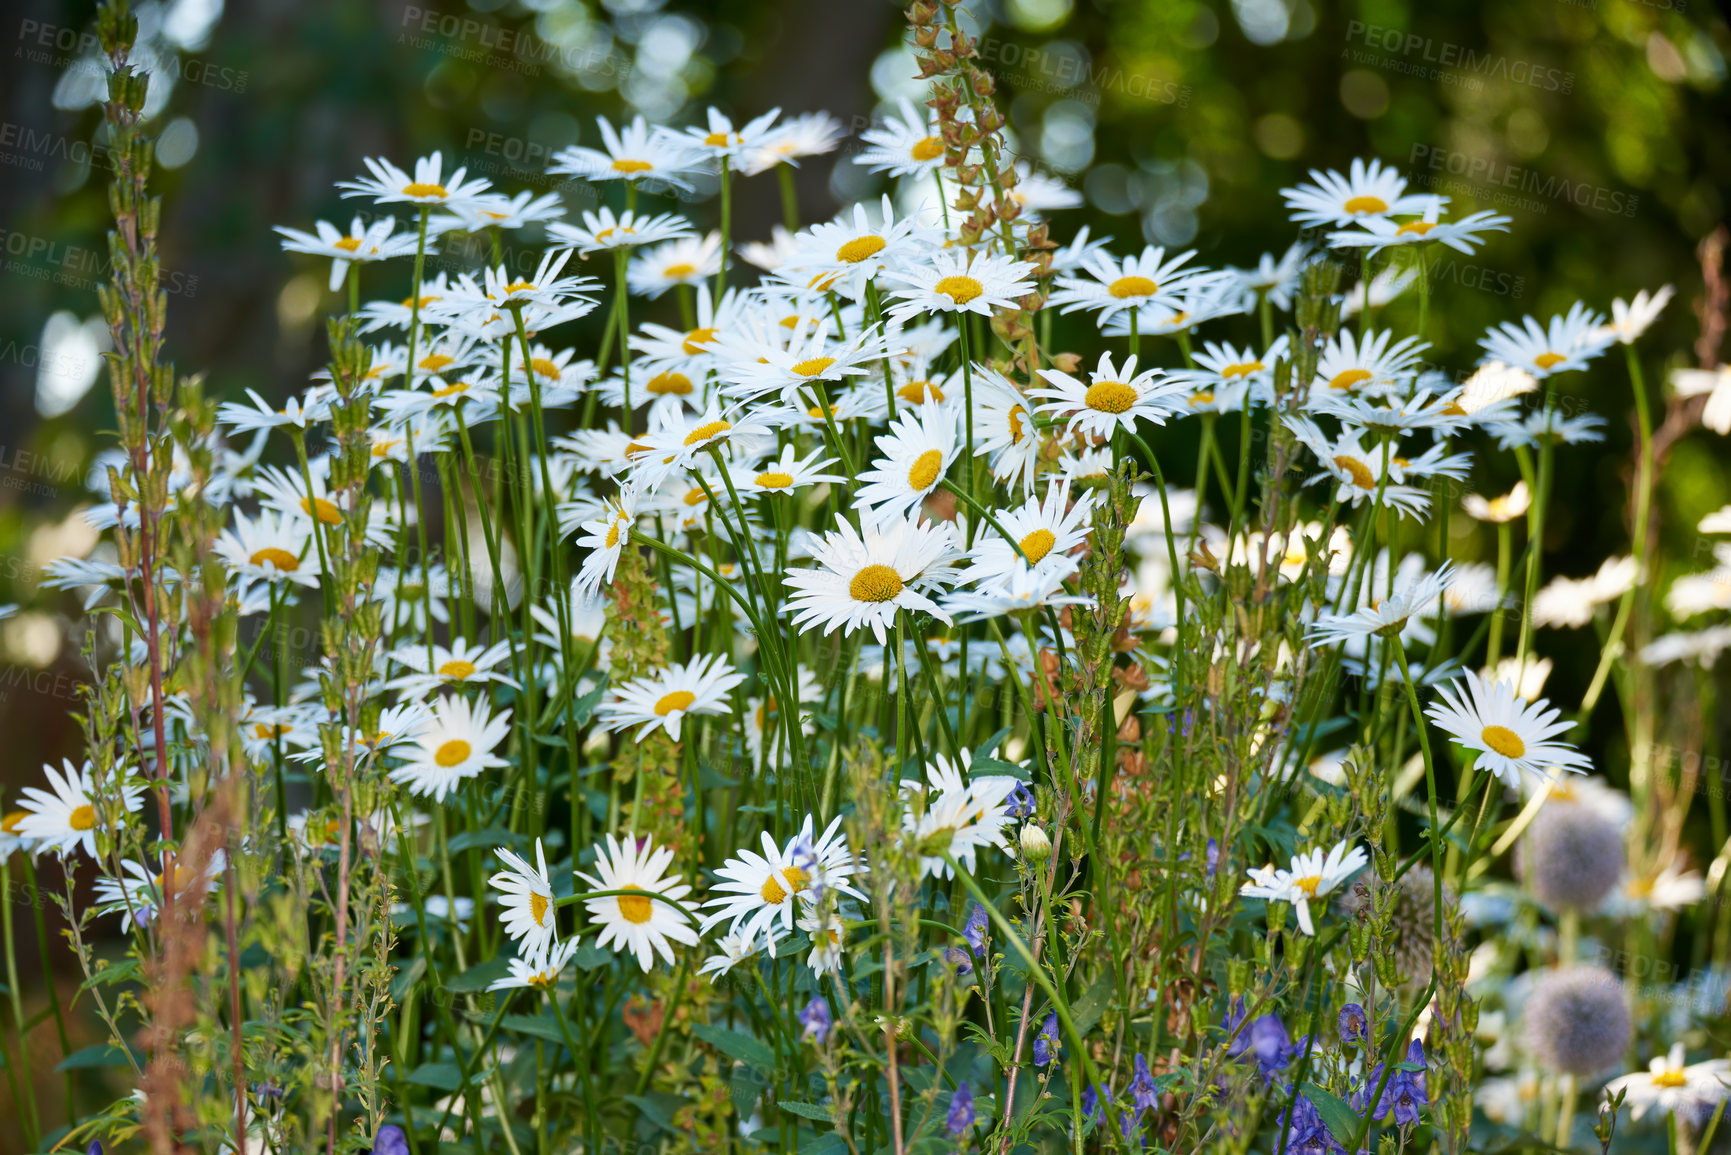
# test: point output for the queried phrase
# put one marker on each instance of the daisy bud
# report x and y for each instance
(1036, 846)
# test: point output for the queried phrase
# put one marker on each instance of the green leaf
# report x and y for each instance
(1341, 1120)
(589, 956)
(405, 980)
(101, 1055)
(479, 977)
(754, 1053)
(542, 1026)
(116, 973)
(486, 838)
(1414, 1068)
(440, 1076)
(743, 1088)
(659, 1107)
(985, 765)
(829, 1143)
(1086, 1011)
(805, 1110)
(584, 707)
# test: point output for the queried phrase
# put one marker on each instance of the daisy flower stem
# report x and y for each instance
(579, 1056)
(1536, 532)
(623, 311)
(661, 1036)
(16, 993)
(984, 514)
(1436, 846)
(789, 197)
(726, 226)
(1172, 559)
(300, 442)
(968, 405)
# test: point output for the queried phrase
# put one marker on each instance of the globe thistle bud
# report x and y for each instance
(1572, 857)
(1411, 920)
(1576, 1020)
(1036, 846)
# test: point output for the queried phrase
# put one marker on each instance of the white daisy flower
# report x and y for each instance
(605, 537)
(1004, 430)
(638, 922)
(907, 144)
(958, 280)
(1361, 473)
(602, 231)
(1374, 234)
(1042, 534)
(753, 367)
(916, 452)
(734, 949)
(1113, 286)
(1509, 734)
(1373, 365)
(720, 141)
(1276, 279)
(784, 474)
(808, 134)
(1312, 874)
(498, 211)
(664, 699)
(845, 254)
(138, 893)
(270, 549)
(527, 909)
(1412, 597)
(1566, 343)
(866, 578)
(454, 744)
(756, 892)
(540, 972)
(1671, 1085)
(1499, 510)
(828, 940)
(686, 261)
(950, 813)
(1716, 385)
(1568, 603)
(1368, 191)
(458, 664)
(1629, 319)
(67, 815)
(1113, 398)
(363, 243)
(652, 156)
(389, 184)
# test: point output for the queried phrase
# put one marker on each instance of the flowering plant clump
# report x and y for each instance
(805, 713)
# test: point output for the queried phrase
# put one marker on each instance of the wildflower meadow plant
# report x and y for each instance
(805, 712)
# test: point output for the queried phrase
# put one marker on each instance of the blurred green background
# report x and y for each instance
(1602, 127)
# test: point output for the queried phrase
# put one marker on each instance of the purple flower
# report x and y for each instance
(1094, 1101)
(95, 1147)
(815, 1019)
(961, 1116)
(390, 1141)
(1306, 1134)
(1046, 1045)
(1353, 1024)
(1213, 857)
(975, 930)
(958, 958)
(1020, 803)
(1144, 1092)
(1270, 1043)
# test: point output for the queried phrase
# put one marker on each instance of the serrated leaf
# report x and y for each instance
(743, 1088)
(754, 1053)
(440, 1076)
(115, 973)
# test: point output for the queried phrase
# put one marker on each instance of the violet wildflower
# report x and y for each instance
(1144, 1092)
(1020, 803)
(1094, 1101)
(1353, 1025)
(389, 1141)
(815, 1019)
(961, 1117)
(958, 958)
(1046, 1044)
(975, 930)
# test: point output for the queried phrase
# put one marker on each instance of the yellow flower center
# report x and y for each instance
(9, 824)
(1670, 1079)
(961, 290)
(771, 892)
(695, 496)
(1038, 544)
(928, 148)
(612, 538)
(875, 583)
(1109, 397)
(716, 140)
(1504, 741)
(452, 753)
(433, 362)
(456, 669)
(682, 269)
(1126, 287)
(860, 248)
(82, 818)
(1546, 360)
(349, 244)
(423, 189)
(452, 390)
(1198, 400)
(1347, 378)
(812, 366)
(708, 431)
(264, 731)
(670, 382)
(697, 339)
(636, 908)
(1365, 205)
(538, 906)
(544, 366)
(1357, 470)
(326, 511)
(627, 165)
(1017, 432)
(1308, 884)
(678, 700)
(774, 479)
(1419, 228)
(282, 559)
(1242, 369)
(919, 392)
(519, 287)
(925, 469)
